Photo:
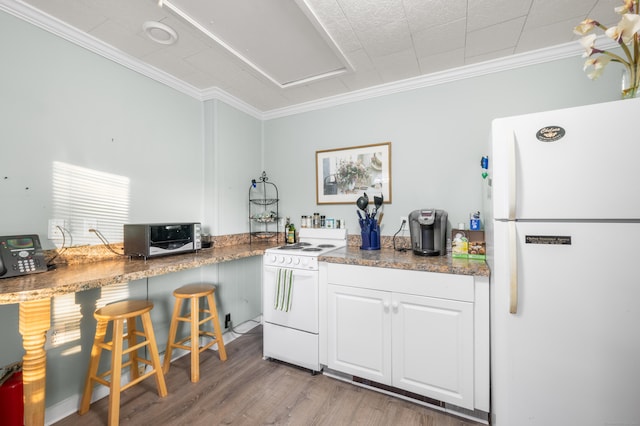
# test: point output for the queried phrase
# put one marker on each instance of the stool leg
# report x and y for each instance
(116, 372)
(173, 328)
(153, 351)
(96, 350)
(195, 339)
(134, 371)
(216, 327)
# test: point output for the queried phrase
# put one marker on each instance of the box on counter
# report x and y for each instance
(459, 243)
(468, 244)
(477, 245)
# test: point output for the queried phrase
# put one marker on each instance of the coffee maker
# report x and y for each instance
(428, 228)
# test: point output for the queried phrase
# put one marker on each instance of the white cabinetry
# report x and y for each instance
(411, 330)
(360, 332)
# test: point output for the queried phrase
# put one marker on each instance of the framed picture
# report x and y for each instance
(344, 174)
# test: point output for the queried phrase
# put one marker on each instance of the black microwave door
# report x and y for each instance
(3, 270)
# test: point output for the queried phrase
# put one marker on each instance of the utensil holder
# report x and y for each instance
(370, 237)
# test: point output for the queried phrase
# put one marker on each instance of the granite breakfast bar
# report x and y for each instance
(33, 292)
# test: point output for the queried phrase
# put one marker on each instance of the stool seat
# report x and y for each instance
(193, 293)
(194, 290)
(121, 313)
(122, 310)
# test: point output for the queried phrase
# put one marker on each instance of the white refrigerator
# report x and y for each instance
(563, 245)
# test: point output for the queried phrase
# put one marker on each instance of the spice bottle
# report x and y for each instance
(291, 234)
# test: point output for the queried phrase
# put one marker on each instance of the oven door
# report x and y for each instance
(303, 313)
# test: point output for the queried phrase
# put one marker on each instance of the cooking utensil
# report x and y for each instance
(380, 218)
(361, 219)
(362, 203)
(377, 201)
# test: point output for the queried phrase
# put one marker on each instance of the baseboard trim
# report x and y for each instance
(477, 415)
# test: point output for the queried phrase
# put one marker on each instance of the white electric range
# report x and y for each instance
(291, 328)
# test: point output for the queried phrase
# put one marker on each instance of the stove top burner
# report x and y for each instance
(310, 248)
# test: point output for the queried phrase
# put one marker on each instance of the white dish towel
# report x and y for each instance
(284, 289)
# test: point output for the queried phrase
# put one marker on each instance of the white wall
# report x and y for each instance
(236, 158)
(61, 103)
(438, 135)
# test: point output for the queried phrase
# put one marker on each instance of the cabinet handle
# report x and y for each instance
(395, 306)
(385, 305)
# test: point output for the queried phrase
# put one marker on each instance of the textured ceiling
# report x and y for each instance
(369, 42)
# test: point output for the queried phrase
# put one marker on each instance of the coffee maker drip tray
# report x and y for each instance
(426, 252)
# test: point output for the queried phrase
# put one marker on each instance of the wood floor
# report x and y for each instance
(247, 390)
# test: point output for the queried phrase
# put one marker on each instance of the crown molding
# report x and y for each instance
(53, 25)
(215, 93)
(562, 51)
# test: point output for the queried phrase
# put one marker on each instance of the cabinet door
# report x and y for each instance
(433, 348)
(359, 332)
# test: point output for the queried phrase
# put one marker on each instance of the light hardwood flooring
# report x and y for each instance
(247, 390)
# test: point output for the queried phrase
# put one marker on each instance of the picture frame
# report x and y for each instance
(345, 174)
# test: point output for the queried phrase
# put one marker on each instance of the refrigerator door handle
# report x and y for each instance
(511, 176)
(513, 269)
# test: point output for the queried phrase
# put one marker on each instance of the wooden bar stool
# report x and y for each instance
(193, 292)
(121, 312)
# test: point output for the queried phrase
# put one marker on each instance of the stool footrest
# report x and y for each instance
(138, 380)
(208, 345)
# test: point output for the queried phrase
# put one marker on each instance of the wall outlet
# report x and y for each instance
(227, 320)
(54, 232)
(403, 219)
(142, 368)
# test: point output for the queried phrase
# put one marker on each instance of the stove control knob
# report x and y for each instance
(273, 258)
(289, 260)
(281, 259)
(305, 261)
(296, 261)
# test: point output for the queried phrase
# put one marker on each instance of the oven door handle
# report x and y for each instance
(295, 271)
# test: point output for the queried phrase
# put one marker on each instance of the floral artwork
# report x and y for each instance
(625, 34)
(351, 173)
(343, 175)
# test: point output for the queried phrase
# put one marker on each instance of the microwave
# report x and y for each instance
(161, 239)
(21, 255)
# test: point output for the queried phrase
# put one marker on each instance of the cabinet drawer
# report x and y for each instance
(432, 284)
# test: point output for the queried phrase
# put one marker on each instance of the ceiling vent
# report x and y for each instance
(159, 32)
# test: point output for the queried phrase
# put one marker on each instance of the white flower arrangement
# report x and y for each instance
(625, 34)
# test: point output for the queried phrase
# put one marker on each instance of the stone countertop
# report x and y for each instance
(389, 258)
(79, 277)
(84, 276)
